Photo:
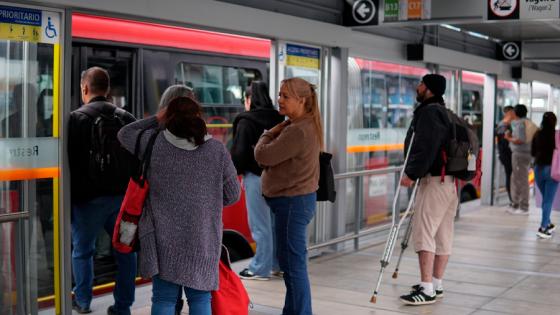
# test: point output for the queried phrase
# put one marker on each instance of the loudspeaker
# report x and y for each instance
(415, 52)
(516, 72)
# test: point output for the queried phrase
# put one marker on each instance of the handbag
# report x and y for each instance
(555, 167)
(326, 189)
(231, 298)
(125, 232)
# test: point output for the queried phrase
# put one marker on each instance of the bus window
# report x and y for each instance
(220, 90)
(216, 85)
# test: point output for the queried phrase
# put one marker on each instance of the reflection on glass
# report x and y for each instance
(26, 111)
(381, 98)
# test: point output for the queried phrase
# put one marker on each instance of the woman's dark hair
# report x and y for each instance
(548, 122)
(182, 117)
(520, 110)
(260, 98)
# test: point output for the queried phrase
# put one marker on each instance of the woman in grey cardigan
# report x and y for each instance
(191, 179)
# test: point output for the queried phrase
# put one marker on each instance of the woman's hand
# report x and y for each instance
(276, 130)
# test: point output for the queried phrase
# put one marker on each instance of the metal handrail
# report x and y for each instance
(358, 233)
(12, 217)
(377, 171)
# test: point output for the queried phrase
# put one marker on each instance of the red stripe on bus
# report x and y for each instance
(119, 30)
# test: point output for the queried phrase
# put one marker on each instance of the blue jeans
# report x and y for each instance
(88, 219)
(261, 222)
(293, 214)
(547, 186)
(164, 298)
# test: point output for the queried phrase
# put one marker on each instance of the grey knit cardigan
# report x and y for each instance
(180, 230)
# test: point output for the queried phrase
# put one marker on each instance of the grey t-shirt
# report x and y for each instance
(518, 132)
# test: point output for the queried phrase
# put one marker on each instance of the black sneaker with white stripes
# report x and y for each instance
(439, 293)
(418, 297)
(551, 227)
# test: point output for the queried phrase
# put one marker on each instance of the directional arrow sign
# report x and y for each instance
(510, 51)
(363, 11)
(360, 12)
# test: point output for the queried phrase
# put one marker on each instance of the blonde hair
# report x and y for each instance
(301, 89)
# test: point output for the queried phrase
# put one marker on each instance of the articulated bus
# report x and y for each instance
(143, 59)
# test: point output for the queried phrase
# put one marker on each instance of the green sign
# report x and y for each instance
(391, 10)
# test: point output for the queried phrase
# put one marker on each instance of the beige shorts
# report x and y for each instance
(434, 212)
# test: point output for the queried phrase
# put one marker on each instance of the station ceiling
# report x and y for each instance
(517, 30)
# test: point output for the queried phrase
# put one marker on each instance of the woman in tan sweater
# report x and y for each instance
(289, 155)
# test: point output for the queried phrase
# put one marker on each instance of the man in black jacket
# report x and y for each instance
(504, 152)
(436, 201)
(96, 201)
(247, 128)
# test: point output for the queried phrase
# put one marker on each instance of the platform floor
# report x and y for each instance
(498, 267)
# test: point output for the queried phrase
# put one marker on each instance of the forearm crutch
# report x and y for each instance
(395, 226)
(404, 245)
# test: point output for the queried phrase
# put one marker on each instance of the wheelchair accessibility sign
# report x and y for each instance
(31, 25)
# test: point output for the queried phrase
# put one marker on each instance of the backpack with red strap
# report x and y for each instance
(461, 156)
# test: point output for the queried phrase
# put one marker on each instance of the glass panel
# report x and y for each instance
(525, 94)
(220, 90)
(471, 100)
(539, 101)
(118, 62)
(26, 184)
(381, 97)
(451, 90)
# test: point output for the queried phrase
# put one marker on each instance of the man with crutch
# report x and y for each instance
(436, 200)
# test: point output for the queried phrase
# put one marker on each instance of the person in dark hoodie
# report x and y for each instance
(436, 201)
(260, 115)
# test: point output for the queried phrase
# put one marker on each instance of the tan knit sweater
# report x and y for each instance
(290, 160)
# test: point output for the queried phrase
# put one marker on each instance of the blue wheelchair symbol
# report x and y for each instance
(50, 31)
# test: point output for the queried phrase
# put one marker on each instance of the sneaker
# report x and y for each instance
(418, 297)
(551, 227)
(248, 275)
(278, 274)
(79, 309)
(111, 310)
(544, 233)
(439, 293)
(519, 212)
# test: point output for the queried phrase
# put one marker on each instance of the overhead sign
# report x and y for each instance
(509, 51)
(23, 24)
(361, 12)
(302, 56)
(539, 9)
(405, 10)
(391, 9)
(523, 9)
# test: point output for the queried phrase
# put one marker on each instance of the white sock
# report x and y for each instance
(438, 283)
(428, 288)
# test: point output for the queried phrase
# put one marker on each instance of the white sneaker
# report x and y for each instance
(519, 212)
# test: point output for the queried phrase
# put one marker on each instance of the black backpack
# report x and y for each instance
(462, 156)
(110, 165)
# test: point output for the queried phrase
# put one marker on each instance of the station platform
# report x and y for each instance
(499, 266)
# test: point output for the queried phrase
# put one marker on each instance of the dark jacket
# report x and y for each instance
(247, 128)
(504, 150)
(542, 147)
(432, 129)
(79, 144)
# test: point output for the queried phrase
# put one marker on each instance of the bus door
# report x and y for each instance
(30, 56)
(119, 62)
